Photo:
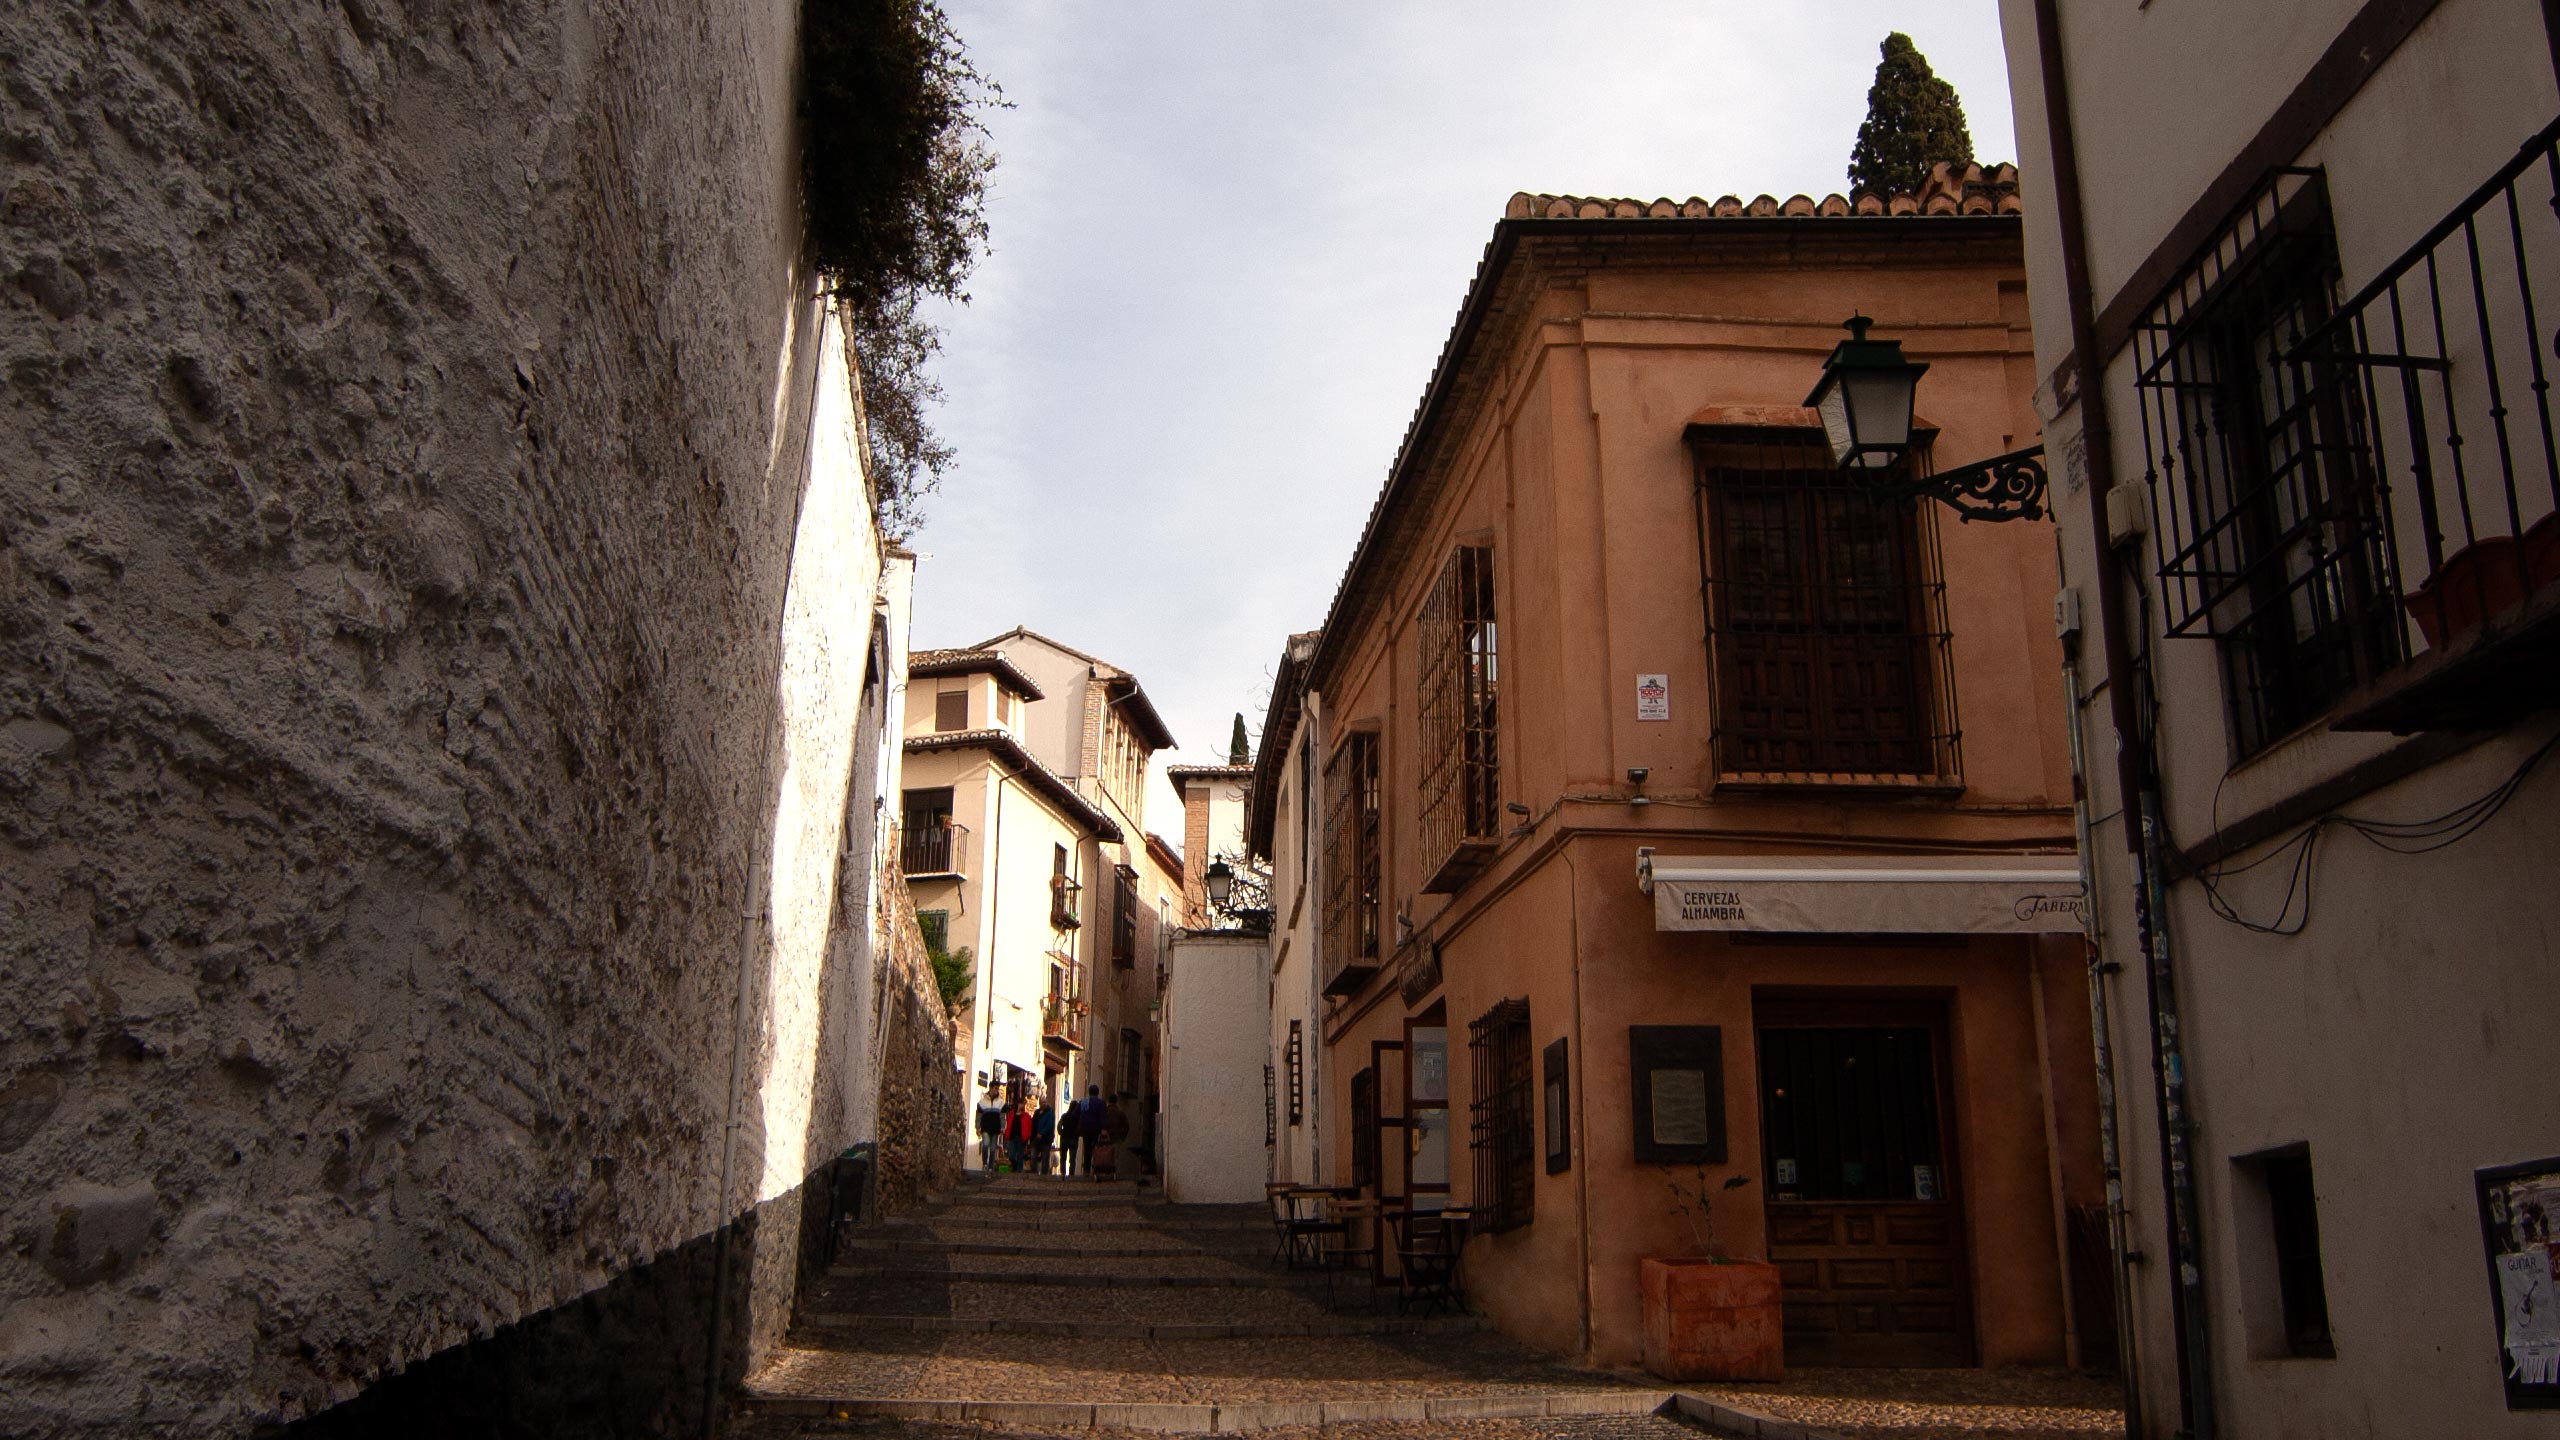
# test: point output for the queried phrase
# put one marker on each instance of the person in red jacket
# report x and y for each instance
(1017, 1133)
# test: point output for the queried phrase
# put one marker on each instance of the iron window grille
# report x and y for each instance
(1270, 1109)
(1502, 1126)
(1124, 918)
(935, 927)
(1351, 818)
(1826, 619)
(1297, 1072)
(2260, 471)
(1458, 678)
(1364, 1128)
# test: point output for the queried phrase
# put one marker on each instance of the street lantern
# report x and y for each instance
(1222, 882)
(1864, 399)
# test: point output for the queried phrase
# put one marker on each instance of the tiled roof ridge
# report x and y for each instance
(1950, 190)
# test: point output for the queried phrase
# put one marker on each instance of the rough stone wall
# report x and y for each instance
(401, 453)
(923, 1101)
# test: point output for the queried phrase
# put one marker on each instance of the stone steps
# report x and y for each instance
(1106, 1279)
(815, 1329)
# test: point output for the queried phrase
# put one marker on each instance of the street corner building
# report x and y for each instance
(1663, 815)
(2294, 296)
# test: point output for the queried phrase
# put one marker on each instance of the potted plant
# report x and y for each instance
(1708, 1316)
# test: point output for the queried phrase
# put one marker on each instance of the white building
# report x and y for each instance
(2294, 270)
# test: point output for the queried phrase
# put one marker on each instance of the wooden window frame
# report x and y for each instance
(1458, 697)
(1826, 619)
(1353, 877)
(944, 702)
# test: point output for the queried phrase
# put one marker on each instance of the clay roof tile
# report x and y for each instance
(1796, 205)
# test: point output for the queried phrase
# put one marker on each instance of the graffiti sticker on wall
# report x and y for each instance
(2520, 1226)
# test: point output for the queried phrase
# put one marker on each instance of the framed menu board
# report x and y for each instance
(2520, 1228)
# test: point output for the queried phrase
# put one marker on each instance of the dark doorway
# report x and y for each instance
(1865, 1223)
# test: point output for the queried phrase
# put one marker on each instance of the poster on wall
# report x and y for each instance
(1653, 697)
(2520, 1228)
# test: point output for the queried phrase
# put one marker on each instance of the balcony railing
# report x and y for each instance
(1066, 900)
(2447, 346)
(936, 847)
(1062, 1020)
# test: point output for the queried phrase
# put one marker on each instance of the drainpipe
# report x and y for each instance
(2136, 777)
(2102, 1043)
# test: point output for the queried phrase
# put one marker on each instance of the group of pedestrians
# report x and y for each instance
(1086, 1138)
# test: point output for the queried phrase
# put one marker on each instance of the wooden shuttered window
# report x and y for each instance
(1352, 860)
(1459, 682)
(1124, 917)
(1827, 613)
(1502, 1130)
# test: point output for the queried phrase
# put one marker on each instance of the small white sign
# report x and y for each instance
(1653, 697)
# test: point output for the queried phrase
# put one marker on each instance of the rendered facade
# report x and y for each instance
(1616, 649)
(2292, 344)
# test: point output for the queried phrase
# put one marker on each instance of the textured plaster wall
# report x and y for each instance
(1217, 1024)
(404, 434)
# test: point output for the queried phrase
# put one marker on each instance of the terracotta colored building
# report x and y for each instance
(1615, 610)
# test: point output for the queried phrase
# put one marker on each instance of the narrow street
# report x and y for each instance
(1035, 1307)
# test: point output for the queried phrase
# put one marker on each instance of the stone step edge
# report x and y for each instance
(1095, 1279)
(1218, 1419)
(1131, 1330)
(1259, 1245)
(1186, 1227)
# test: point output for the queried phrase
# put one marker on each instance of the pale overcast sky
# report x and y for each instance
(1229, 239)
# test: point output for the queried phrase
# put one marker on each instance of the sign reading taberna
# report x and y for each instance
(1896, 895)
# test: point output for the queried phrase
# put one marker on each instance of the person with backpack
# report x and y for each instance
(1070, 1131)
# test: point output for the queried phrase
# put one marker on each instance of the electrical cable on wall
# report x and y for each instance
(2401, 837)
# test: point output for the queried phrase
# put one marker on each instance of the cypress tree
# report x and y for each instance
(1239, 750)
(1913, 121)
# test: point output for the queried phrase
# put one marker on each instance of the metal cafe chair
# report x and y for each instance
(1429, 1244)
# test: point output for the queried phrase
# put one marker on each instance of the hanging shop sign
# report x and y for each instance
(2520, 1227)
(1920, 895)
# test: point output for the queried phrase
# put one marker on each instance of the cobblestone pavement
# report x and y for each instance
(2005, 1404)
(1042, 1293)
(1072, 1295)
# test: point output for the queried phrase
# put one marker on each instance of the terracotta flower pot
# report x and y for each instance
(1712, 1320)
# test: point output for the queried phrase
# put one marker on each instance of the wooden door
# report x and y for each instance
(1865, 1223)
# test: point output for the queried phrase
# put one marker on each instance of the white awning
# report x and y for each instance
(1918, 895)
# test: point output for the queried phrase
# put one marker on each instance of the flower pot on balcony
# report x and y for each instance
(2481, 579)
(1709, 1319)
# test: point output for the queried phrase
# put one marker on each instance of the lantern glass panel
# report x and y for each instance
(1879, 402)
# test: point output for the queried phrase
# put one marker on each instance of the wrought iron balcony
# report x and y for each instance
(938, 847)
(1066, 901)
(1062, 1021)
(2448, 348)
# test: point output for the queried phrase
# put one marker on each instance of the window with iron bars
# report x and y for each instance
(1351, 856)
(1503, 1116)
(1124, 918)
(1270, 1109)
(1297, 1072)
(2269, 531)
(1826, 619)
(1458, 681)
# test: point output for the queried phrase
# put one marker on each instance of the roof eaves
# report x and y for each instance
(1028, 767)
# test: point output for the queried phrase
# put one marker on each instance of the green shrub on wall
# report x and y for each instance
(894, 167)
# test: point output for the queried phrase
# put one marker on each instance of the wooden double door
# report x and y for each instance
(1866, 1225)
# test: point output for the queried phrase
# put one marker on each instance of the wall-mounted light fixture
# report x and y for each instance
(1865, 399)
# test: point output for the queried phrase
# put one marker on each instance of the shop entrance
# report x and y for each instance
(1866, 1225)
